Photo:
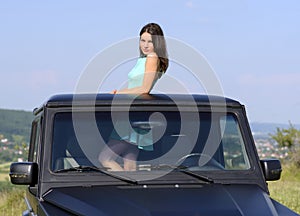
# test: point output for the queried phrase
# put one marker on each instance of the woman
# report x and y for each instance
(150, 66)
(153, 61)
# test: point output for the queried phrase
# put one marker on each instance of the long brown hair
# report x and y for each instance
(159, 44)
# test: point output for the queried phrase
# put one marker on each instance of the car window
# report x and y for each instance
(195, 140)
(235, 155)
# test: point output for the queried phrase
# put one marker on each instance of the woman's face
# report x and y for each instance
(146, 44)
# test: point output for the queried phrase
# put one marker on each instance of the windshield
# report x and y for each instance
(146, 141)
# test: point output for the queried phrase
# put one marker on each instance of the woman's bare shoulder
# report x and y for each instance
(152, 58)
(151, 55)
(152, 62)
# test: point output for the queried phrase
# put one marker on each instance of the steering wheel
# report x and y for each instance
(192, 162)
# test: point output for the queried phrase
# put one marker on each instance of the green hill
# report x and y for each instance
(15, 122)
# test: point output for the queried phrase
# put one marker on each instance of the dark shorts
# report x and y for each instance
(120, 148)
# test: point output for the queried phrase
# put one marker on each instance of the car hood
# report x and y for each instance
(163, 200)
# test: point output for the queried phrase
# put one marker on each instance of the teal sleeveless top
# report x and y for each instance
(136, 75)
(141, 137)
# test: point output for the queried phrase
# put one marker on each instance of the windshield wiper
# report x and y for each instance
(196, 175)
(184, 170)
(97, 169)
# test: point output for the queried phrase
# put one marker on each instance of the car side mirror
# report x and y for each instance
(271, 169)
(24, 173)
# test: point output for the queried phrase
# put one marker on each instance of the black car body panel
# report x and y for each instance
(211, 200)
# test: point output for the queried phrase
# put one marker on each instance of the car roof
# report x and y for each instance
(63, 100)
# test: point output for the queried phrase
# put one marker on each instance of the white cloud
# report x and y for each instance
(189, 4)
(40, 79)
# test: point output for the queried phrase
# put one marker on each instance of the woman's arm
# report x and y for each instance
(150, 76)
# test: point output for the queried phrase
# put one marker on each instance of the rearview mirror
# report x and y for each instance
(271, 169)
(24, 173)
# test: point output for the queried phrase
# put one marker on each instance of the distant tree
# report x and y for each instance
(15, 122)
(18, 139)
(289, 137)
(20, 145)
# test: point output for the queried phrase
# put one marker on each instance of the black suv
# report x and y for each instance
(201, 158)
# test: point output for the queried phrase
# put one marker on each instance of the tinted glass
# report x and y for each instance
(197, 141)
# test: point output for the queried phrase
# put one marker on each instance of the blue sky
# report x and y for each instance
(253, 47)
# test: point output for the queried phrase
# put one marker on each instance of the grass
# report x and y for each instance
(11, 197)
(4, 170)
(285, 191)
